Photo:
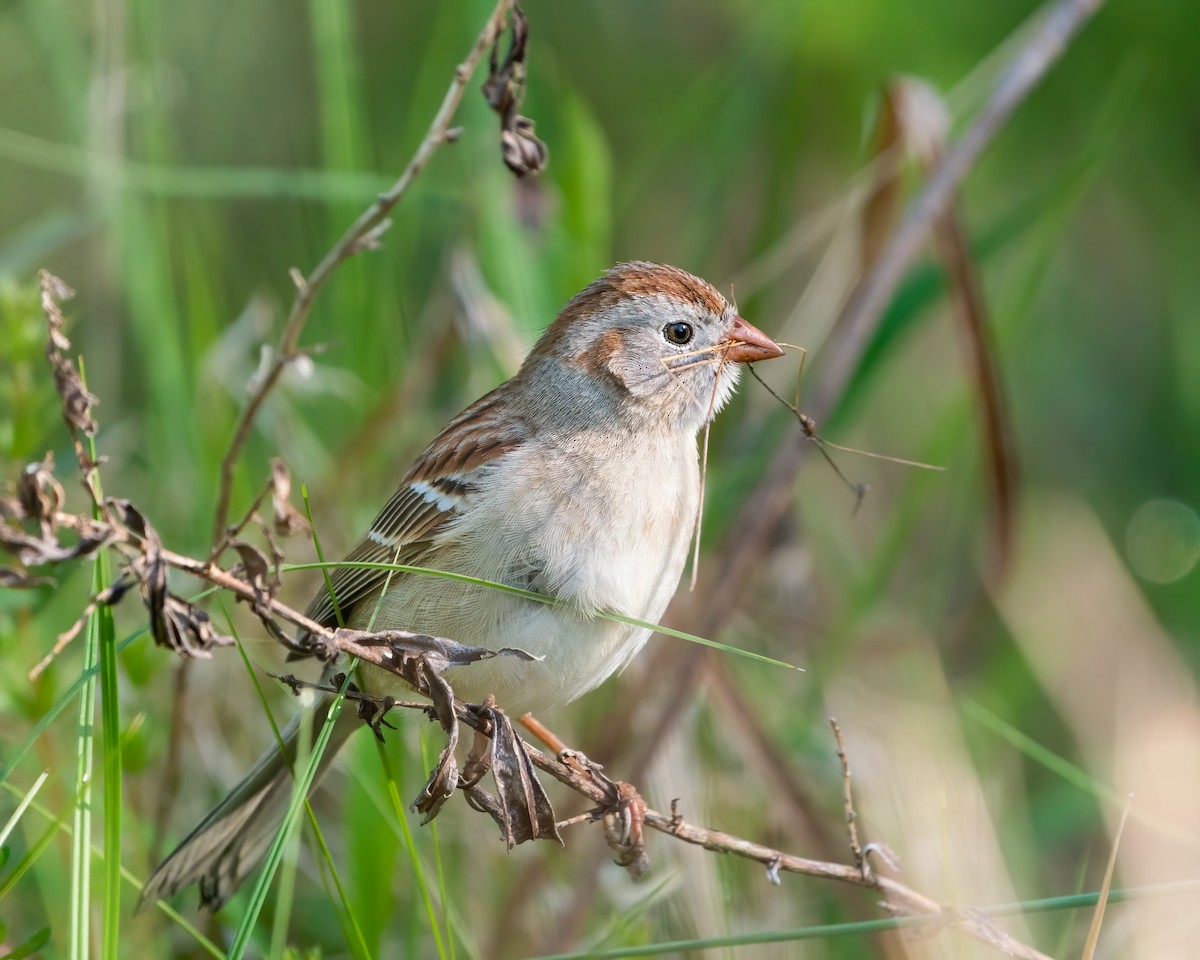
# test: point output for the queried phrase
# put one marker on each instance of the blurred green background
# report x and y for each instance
(172, 162)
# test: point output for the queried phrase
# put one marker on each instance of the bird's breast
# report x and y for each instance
(597, 528)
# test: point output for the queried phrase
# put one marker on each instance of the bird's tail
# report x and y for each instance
(226, 846)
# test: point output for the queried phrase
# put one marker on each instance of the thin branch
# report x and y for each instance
(385, 650)
(362, 234)
(848, 803)
(585, 780)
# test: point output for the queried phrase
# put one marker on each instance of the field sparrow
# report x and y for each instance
(577, 478)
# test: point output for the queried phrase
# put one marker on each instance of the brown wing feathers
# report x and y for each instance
(437, 489)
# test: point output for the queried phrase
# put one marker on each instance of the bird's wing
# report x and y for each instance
(438, 489)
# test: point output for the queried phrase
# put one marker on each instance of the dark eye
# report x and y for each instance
(679, 333)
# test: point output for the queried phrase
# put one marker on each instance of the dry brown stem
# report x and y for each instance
(848, 802)
(362, 234)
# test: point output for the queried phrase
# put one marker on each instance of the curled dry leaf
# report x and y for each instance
(439, 652)
(524, 805)
(174, 622)
(521, 808)
(444, 779)
(288, 519)
(131, 518)
(259, 572)
(374, 714)
(39, 494)
(479, 759)
(523, 153)
(182, 626)
(520, 149)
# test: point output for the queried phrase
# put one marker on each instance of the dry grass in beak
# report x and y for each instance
(705, 352)
(809, 426)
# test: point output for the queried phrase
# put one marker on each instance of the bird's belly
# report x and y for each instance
(594, 558)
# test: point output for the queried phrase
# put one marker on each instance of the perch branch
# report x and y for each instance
(136, 540)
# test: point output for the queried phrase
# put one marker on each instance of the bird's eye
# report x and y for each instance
(679, 333)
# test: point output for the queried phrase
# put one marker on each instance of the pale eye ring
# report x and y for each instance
(679, 333)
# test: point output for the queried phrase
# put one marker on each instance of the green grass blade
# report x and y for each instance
(69, 696)
(300, 790)
(73, 691)
(285, 888)
(543, 598)
(21, 867)
(832, 930)
(358, 942)
(337, 610)
(437, 855)
(1040, 754)
(60, 824)
(81, 827)
(283, 910)
(410, 843)
(22, 807)
(1083, 901)
(211, 182)
(350, 925)
(111, 742)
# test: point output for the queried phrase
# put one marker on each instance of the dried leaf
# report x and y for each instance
(479, 759)
(922, 118)
(131, 518)
(924, 123)
(479, 799)
(184, 627)
(39, 494)
(373, 712)
(913, 123)
(504, 89)
(521, 150)
(288, 519)
(256, 569)
(54, 291)
(881, 207)
(440, 652)
(174, 622)
(77, 403)
(444, 779)
(527, 814)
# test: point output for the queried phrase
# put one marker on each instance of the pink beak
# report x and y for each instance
(748, 344)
